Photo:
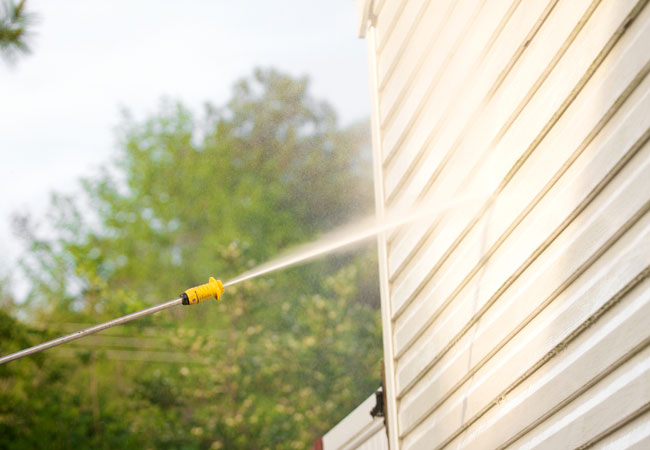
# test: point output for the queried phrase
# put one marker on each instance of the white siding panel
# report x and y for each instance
(502, 159)
(519, 319)
(523, 193)
(542, 110)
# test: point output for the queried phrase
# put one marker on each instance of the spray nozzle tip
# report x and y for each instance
(213, 288)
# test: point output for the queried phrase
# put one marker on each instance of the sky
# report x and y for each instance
(59, 106)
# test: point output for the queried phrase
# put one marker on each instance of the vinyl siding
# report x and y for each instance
(520, 319)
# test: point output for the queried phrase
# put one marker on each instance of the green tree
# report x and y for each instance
(281, 358)
(15, 29)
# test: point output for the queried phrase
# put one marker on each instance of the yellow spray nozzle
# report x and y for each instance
(214, 288)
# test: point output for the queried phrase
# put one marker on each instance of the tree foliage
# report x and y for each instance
(15, 29)
(278, 361)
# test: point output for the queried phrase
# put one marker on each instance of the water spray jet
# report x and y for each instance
(329, 243)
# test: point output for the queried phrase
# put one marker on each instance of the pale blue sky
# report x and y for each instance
(59, 105)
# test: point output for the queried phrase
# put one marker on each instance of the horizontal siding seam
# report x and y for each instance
(539, 250)
(553, 353)
(539, 138)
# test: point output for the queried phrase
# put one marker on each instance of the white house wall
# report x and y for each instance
(521, 318)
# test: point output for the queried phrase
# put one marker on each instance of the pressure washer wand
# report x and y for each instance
(214, 288)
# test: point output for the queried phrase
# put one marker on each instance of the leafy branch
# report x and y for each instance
(15, 30)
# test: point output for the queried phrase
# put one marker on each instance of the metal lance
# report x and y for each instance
(214, 288)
